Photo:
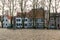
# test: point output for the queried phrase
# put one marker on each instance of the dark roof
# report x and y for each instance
(54, 14)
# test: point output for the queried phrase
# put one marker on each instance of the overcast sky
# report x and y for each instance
(28, 6)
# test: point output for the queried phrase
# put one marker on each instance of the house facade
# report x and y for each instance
(28, 23)
(54, 20)
(40, 23)
(39, 16)
(18, 22)
(6, 21)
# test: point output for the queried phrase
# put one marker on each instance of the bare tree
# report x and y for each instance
(34, 12)
(24, 9)
(22, 15)
(11, 9)
(13, 13)
(9, 6)
(3, 3)
(56, 7)
(43, 5)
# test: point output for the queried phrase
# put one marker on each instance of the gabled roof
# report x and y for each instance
(38, 13)
(54, 14)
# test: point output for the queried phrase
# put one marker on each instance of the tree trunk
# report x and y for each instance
(2, 12)
(49, 12)
(33, 13)
(22, 13)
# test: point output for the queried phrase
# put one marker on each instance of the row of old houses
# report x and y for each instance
(28, 19)
(40, 17)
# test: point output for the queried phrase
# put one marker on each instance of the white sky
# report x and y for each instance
(28, 6)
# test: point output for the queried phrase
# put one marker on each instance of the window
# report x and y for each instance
(6, 24)
(52, 24)
(58, 25)
(37, 24)
(18, 24)
(6, 19)
(51, 18)
(30, 24)
(30, 19)
(42, 20)
(25, 24)
(25, 19)
(21, 24)
(18, 19)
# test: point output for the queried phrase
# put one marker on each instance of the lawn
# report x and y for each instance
(29, 34)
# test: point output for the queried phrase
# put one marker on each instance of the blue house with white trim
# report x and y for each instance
(6, 21)
(28, 23)
(18, 22)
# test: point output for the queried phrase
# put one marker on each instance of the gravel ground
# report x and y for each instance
(29, 34)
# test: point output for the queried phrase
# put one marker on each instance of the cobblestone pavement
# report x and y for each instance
(29, 34)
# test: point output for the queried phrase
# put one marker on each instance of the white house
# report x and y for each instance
(18, 22)
(28, 22)
(6, 21)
